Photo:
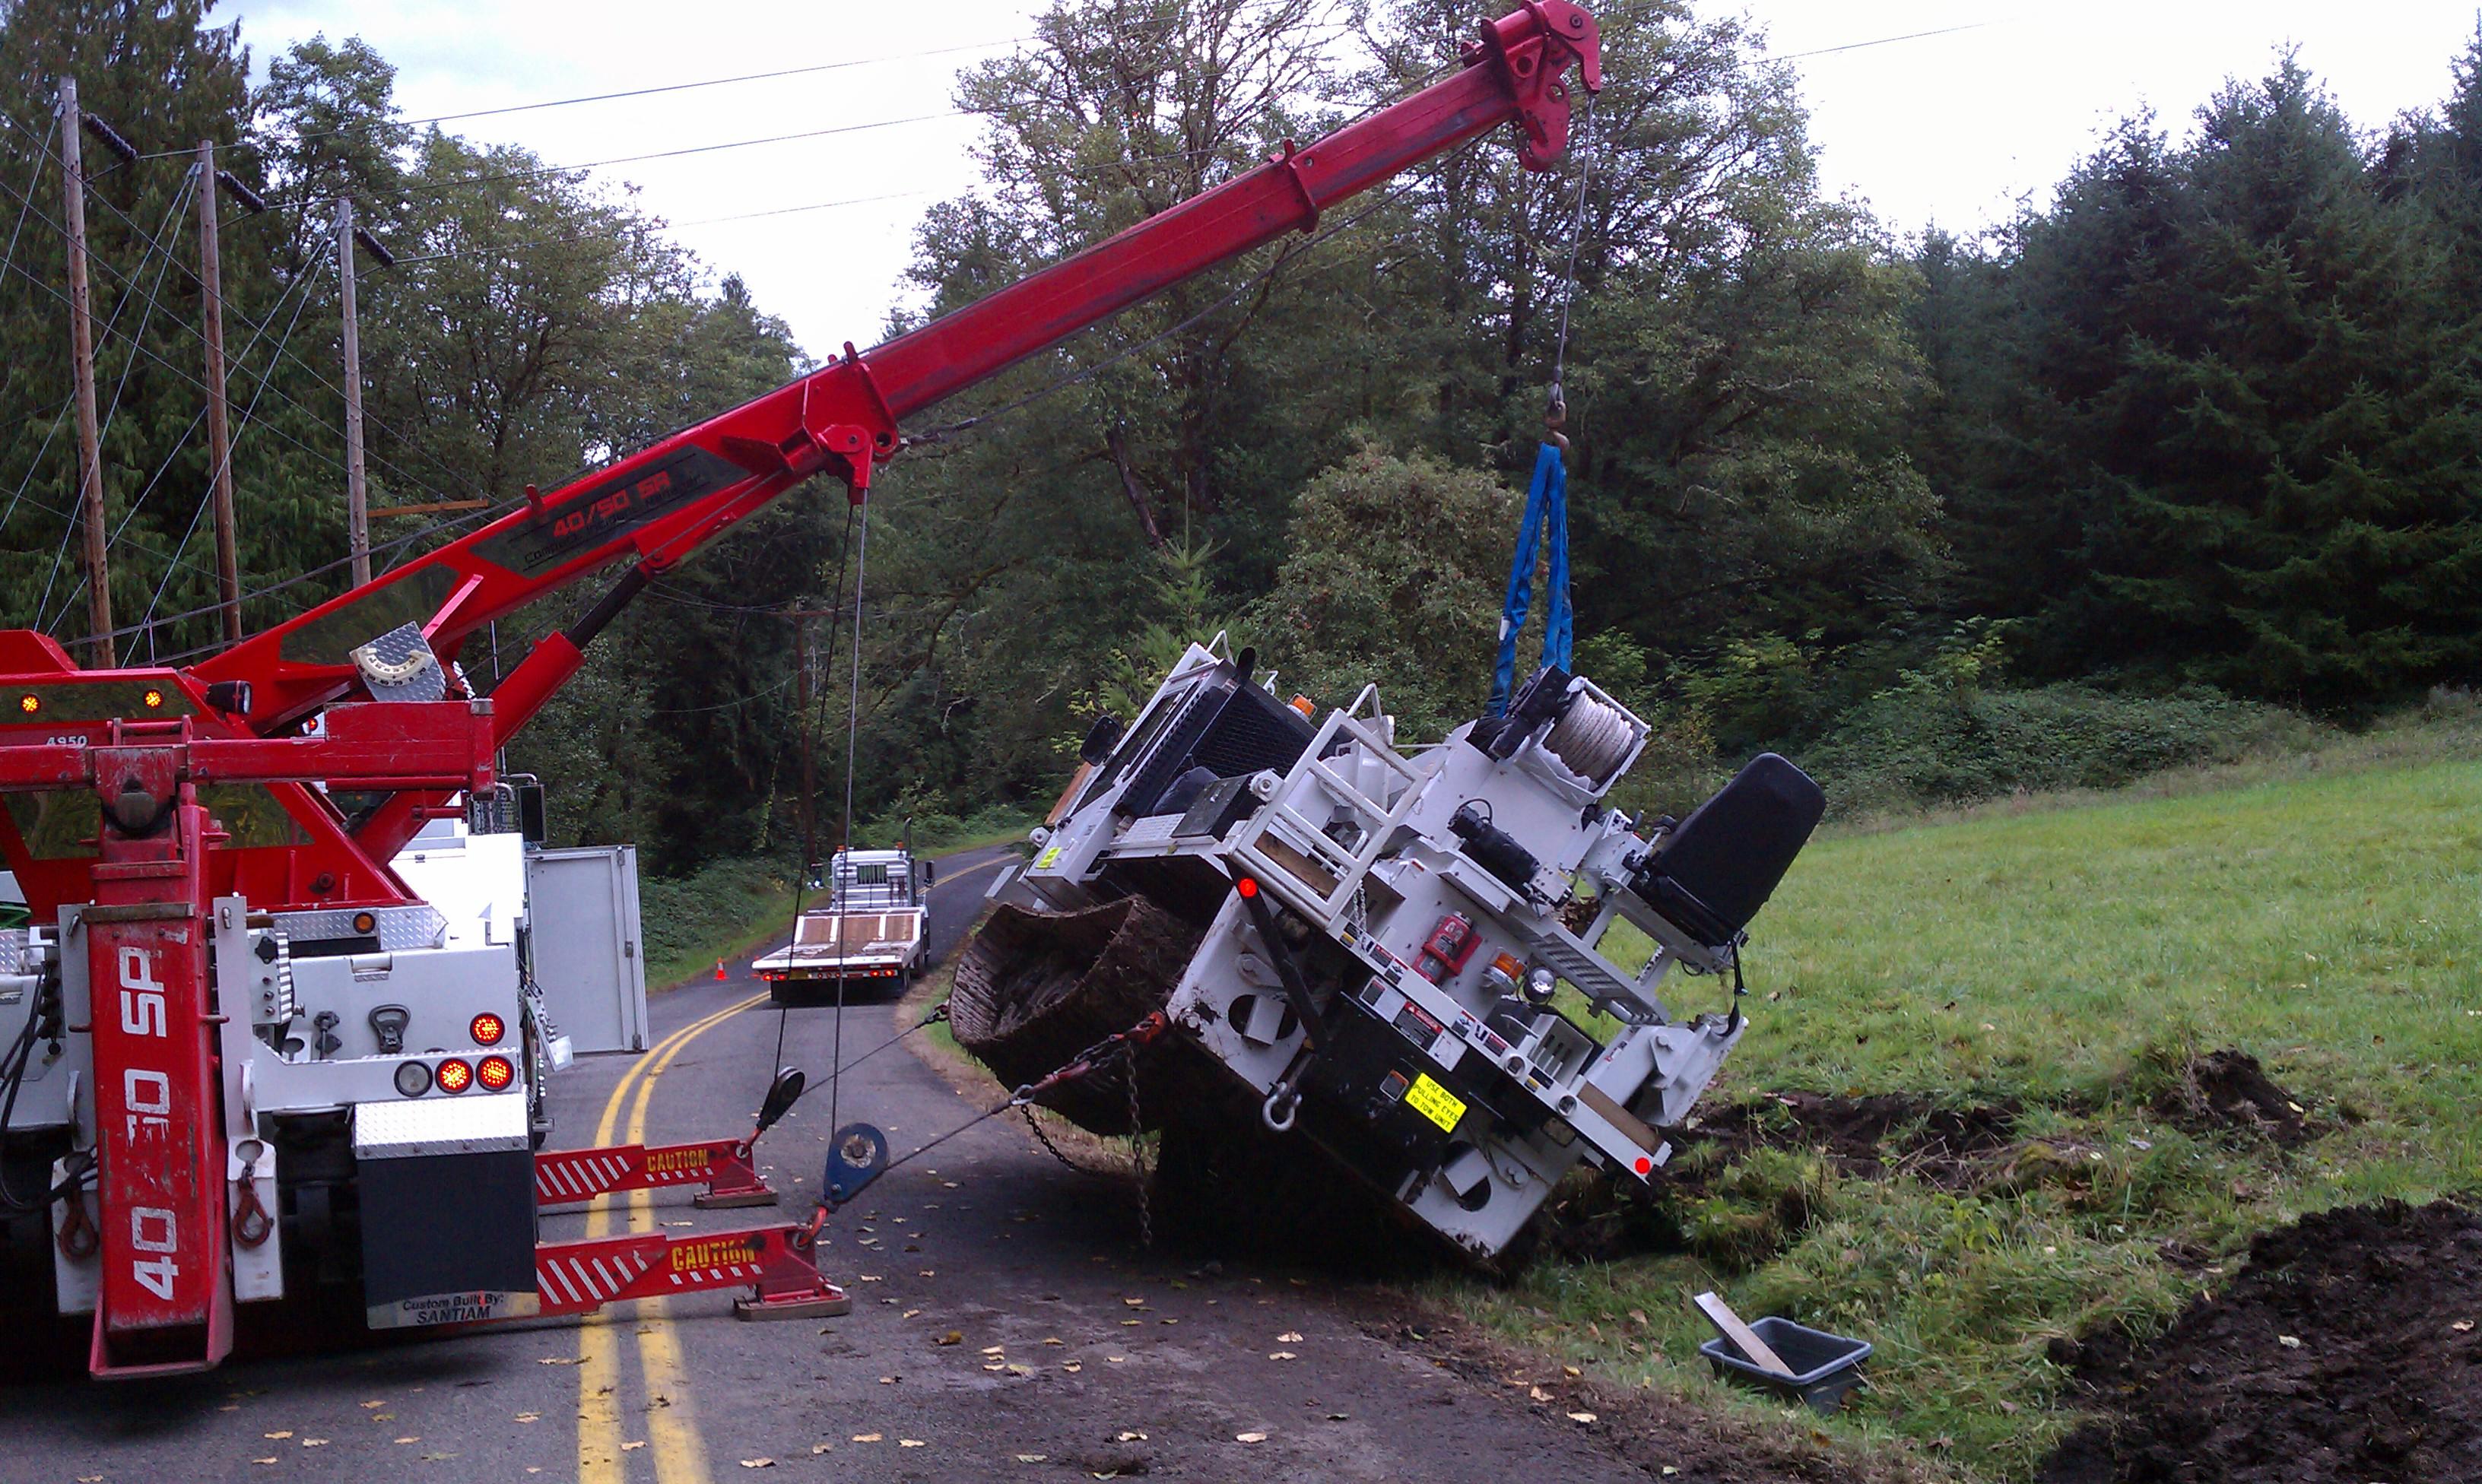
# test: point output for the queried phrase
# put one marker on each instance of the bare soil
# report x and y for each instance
(2349, 1349)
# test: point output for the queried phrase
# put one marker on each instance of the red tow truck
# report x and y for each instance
(241, 1050)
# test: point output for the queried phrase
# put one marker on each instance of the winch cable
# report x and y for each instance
(1545, 522)
(857, 522)
(1093, 1058)
(802, 874)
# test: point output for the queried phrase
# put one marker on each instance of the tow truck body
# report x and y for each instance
(867, 939)
(243, 1039)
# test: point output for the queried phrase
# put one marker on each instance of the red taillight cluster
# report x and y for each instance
(454, 1076)
(496, 1072)
(487, 1028)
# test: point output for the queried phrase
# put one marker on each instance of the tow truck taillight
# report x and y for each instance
(487, 1028)
(454, 1076)
(496, 1072)
(412, 1079)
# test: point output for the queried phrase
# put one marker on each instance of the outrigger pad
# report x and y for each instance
(854, 1160)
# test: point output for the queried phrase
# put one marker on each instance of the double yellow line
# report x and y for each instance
(672, 1430)
(672, 1427)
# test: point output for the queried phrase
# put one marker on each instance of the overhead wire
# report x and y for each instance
(654, 90)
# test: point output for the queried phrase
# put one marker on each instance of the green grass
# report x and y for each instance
(2320, 916)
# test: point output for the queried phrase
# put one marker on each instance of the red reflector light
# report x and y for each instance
(1644, 1164)
(496, 1072)
(454, 1076)
(1246, 887)
(487, 1028)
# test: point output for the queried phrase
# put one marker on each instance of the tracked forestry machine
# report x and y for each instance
(242, 1050)
(1390, 958)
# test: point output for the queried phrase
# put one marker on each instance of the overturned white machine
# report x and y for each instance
(1371, 944)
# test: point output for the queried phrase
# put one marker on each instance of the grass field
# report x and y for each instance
(2066, 963)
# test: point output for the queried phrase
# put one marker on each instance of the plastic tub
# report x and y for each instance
(1823, 1365)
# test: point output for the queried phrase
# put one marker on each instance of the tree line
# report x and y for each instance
(2199, 426)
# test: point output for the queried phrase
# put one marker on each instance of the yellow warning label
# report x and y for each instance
(1043, 861)
(1435, 1103)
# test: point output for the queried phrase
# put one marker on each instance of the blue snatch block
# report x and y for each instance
(1823, 1365)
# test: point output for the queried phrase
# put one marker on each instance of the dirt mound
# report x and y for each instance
(2349, 1349)
(1883, 1133)
(2228, 1091)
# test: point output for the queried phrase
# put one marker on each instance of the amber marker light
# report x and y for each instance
(30, 704)
(153, 698)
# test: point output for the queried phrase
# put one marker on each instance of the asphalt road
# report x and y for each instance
(1005, 1324)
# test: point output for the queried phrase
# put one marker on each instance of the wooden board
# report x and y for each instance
(1729, 1324)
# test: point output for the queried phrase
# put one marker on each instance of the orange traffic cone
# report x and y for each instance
(719, 969)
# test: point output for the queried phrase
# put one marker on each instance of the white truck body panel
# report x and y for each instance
(583, 907)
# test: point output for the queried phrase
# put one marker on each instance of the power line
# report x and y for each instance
(1885, 41)
(643, 93)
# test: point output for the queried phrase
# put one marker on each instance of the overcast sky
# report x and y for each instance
(1951, 128)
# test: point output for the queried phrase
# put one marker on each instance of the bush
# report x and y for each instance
(1926, 742)
(680, 916)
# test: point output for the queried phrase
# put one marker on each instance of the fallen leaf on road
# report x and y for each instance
(1249, 1436)
(1116, 1359)
(1291, 1336)
(1571, 1370)
(368, 1405)
(1281, 1355)
(910, 1442)
(866, 1437)
(1131, 1323)
(867, 1277)
(926, 1273)
(1339, 1416)
(1669, 1471)
(529, 1417)
(997, 1365)
(262, 1460)
(993, 1349)
(759, 1463)
(1056, 1340)
(2288, 1341)
(909, 1314)
(382, 1416)
(1071, 1367)
(676, 1223)
(817, 1448)
(1031, 1458)
(1016, 1369)
(1135, 1303)
(314, 1443)
(287, 1433)
(416, 1439)
(1130, 1437)
(1537, 1394)
(955, 1337)
(542, 1360)
(632, 1447)
(2462, 1326)
(949, 1184)
(1167, 1321)
(1581, 1417)
(887, 1380)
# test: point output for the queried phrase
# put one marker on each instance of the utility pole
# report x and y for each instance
(98, 587)
(211, 281)
(801, 703)
(356, 492)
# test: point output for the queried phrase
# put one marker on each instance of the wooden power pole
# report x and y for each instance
(219, 429)
(358, 495)
(99, 585)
